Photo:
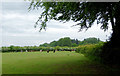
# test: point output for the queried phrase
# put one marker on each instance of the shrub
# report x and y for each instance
(92, 51)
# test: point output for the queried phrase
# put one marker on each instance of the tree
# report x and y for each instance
(11, 48)
(60, 42)
(67, 42)
(64, 42)
(91, 40)
(74, 45)
(75, 41)
(53, 44)
(85, 13)
(45, 45)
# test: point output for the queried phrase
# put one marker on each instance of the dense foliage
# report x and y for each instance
(85, 13)
(92, 51)
(96, 52)
(71, 42)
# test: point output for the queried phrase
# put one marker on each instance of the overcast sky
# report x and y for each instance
(18, 27)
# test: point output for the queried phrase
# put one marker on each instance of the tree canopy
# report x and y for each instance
(71, 42)
(84, 13)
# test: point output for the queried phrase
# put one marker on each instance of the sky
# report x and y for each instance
(17, 27)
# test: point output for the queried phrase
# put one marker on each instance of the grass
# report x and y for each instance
(50, 63)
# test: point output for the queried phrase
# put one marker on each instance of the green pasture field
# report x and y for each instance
(60, 62)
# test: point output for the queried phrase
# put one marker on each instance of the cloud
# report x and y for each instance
(18, 27)
(13, 0)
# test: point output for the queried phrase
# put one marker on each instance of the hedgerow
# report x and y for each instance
(92, 51)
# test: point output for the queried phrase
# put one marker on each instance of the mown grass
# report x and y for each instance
(50, 63)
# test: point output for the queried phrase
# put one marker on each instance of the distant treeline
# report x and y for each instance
(63, 44)
(35, 48)
(71, 42)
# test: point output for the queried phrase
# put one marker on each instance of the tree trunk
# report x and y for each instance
(111, 50)
(115, 38)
